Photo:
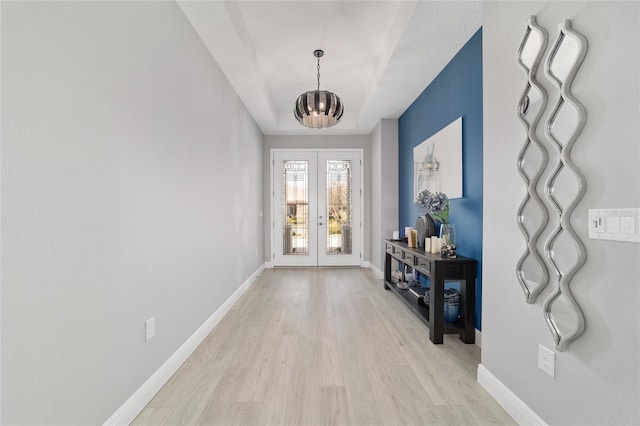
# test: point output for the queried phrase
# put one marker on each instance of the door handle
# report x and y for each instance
(320, 224)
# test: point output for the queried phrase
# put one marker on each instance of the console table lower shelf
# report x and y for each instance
(438, 269)
(421, 311)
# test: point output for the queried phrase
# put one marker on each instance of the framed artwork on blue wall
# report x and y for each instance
(437, 162)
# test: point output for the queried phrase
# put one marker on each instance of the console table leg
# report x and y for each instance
(387, 270)
(436, 309)
(468, 291)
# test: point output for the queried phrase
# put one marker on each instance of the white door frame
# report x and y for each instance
(273, 208)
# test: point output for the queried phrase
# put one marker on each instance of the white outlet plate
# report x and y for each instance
(547, 360)
(150, 328)
(615, 224)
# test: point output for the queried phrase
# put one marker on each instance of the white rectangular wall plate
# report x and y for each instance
(615, 224)
(547, 360)
(150, 328)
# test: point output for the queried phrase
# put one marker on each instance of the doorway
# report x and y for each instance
(316, 207)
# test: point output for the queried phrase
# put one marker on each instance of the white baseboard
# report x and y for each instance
(478, 338)
(140, 398)
(268, 265)
(375, 270)
(521, 413)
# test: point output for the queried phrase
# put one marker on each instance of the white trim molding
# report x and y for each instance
(478, 338)
(521, 413)
(374, 269)
(141, 397)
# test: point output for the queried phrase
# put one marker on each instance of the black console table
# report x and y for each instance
(438, 269)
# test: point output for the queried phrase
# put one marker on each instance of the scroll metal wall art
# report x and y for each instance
(531, 269)
(564, 251)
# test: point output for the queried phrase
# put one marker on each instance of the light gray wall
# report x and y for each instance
(598, 379)
(316, 142)
(131, 188)
(384, 187)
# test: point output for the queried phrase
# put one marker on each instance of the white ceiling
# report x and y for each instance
(379, 55)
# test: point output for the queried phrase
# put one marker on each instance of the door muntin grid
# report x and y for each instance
(295, 207)
(338, 208)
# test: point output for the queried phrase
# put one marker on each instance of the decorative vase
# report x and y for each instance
(409, 275)
(421, 228)
(448, 236)
(426, 228)
(451, 304)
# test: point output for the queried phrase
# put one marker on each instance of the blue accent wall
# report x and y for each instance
(455, 92)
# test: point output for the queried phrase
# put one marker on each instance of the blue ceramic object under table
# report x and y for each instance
(451, 304)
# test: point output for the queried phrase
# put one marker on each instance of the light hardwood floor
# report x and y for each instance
(324, 346)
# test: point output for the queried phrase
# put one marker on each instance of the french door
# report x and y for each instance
(316, 208)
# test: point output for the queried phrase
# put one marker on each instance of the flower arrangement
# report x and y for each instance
(436, 204)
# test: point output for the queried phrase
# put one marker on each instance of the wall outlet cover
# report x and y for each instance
(547, 360)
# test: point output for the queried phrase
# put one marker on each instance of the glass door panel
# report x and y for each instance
(339, 200)
(338, 207)
(294, 229)
(295, 207)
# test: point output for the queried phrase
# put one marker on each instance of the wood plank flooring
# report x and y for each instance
(324, 346)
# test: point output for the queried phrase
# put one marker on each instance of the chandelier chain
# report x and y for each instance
(318, 74)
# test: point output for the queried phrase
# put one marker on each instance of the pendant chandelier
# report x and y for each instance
(318, 109)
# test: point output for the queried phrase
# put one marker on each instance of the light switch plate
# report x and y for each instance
(615, 224)
(628, 225)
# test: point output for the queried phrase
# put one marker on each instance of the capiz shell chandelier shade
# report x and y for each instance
(318, 108)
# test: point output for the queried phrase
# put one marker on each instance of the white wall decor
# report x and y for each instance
(532, 215)
(563, 127)
(442, 151)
